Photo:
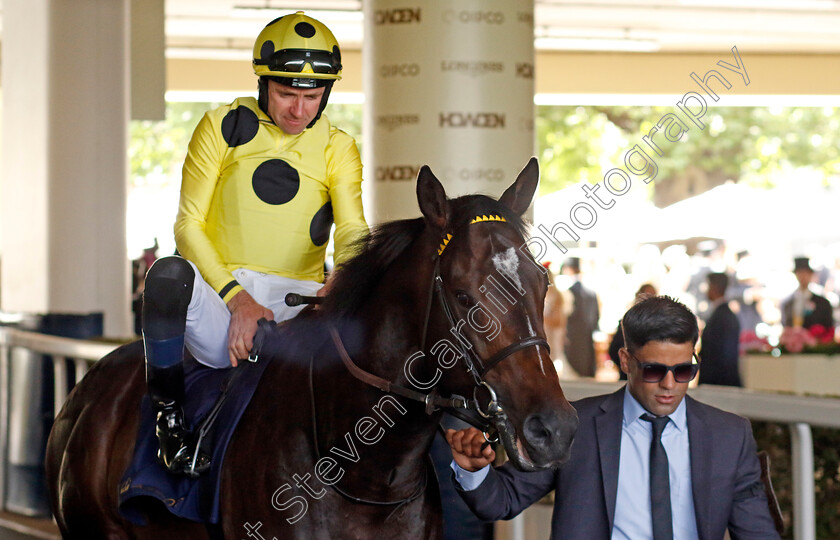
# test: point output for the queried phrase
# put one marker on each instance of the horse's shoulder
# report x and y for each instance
(129, 354)
(117, 372)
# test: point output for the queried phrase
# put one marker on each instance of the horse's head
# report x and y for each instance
(485, 314)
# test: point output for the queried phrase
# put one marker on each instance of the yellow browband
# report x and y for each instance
(476, 219)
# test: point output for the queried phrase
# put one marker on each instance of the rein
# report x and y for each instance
(421, 487)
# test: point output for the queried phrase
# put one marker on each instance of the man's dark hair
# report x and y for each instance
(658, 318)
(719, 281)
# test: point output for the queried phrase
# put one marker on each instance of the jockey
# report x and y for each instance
(262, 183)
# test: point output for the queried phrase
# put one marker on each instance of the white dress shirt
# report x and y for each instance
(632, 506)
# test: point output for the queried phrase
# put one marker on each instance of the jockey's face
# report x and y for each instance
(292, 109)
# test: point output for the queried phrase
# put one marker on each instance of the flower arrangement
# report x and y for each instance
(750, 342)
(814, 340)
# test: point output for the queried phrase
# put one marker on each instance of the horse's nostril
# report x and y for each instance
(536, 430)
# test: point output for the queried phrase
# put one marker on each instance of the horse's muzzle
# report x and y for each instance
(547, 437)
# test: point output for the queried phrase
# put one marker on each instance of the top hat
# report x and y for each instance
(572, 263)
(802, 263)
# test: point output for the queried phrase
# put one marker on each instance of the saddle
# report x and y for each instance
(215, 401)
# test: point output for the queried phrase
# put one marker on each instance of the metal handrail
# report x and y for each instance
(60, 349)
(799, 412)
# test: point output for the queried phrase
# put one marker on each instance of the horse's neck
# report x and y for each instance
(389, 434)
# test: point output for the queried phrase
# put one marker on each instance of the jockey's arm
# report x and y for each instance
(344, 170)
(199, 179)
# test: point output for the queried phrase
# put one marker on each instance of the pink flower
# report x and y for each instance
(795, 340)
(750, 342)
(821, 333)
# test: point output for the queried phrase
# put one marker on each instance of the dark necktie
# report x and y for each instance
(660, 486)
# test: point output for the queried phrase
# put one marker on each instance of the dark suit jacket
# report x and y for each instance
(582, 321)
(720, 349)
(821, 314)
(725, 477)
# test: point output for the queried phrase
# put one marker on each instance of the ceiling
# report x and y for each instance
(227, 28)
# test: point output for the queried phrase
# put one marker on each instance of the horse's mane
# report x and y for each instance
(355, 279)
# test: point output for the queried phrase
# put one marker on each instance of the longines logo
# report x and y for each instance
(525, 70)
(399, 70)
(396, 16)
(397, 172)
(477, 120)
(473, 16)
(393, 121)
(471, 68)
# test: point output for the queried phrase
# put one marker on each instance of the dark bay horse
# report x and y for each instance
(439, 312)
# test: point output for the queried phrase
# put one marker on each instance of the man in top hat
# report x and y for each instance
(582, 322)
(805, 308)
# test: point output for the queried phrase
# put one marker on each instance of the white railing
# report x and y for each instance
(61, 350)
(799, 412)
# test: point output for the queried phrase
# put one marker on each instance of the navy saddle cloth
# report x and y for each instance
(194, 499)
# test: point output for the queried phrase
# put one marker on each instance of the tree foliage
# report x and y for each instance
(750, 144)
(158, 148)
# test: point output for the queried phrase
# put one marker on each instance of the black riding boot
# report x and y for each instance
(177, 447)
(165, 301)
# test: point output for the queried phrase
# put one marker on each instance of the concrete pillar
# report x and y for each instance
(449, 84)
(65, 117)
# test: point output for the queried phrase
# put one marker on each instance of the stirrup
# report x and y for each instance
(178, 450)
(191, 463)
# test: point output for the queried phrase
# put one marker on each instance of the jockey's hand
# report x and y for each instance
(244, 314)
(466, 445)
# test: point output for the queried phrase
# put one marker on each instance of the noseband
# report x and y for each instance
(468, 410)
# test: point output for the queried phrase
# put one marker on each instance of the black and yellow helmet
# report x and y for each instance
(299, 48)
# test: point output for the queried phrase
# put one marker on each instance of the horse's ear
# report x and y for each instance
(519, 195)
(432, 198)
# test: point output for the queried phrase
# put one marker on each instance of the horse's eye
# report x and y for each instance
(464, 299)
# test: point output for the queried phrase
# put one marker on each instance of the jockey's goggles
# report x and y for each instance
(295, 60)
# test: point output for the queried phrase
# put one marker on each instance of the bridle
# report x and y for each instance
(466, 409)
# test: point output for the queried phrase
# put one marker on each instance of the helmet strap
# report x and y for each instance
(262, 96)
(324, 98)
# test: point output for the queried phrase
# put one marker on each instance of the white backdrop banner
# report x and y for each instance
(449, 84)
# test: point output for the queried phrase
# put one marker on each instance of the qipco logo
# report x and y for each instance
(472, 174)
(387, 71)
(468, 16)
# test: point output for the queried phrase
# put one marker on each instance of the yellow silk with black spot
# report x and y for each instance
(255, 197)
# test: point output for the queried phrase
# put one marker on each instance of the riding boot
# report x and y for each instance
(166, 299)
(177, 448)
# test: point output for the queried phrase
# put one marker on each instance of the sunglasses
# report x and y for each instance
(653, 372)
(294, 60)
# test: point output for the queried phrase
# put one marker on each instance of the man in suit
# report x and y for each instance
(720, 346)
(805, 308)
(604, 491)
(583, 320)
